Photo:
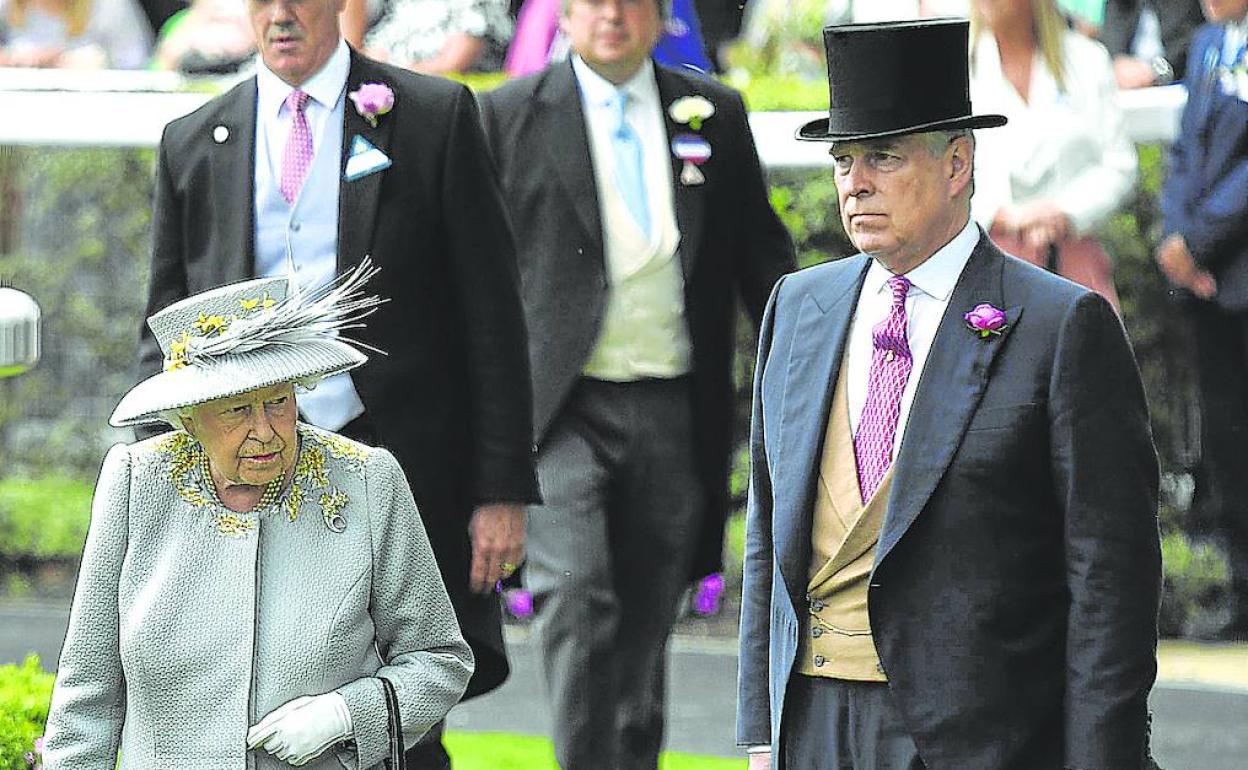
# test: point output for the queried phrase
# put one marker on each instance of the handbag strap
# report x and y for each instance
(396, 761)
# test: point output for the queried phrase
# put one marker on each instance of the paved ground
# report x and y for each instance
(1198, 725)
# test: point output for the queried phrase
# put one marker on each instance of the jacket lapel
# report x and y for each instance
(233, 169)
(358, 199)
(953, 382)
(567, 140)
(814, 363)
(687, 199)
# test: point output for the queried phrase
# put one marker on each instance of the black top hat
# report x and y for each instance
(897, 78)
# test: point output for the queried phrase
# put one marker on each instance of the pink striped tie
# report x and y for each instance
(890, 368)
(298, 155)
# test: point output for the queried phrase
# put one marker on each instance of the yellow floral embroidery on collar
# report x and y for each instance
(233, 525)
(310, 474)
(310, 478)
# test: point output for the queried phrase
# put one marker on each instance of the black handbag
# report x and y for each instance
(396, 760)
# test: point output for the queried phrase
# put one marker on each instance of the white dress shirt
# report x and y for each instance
(932, 285)
(1067, 145)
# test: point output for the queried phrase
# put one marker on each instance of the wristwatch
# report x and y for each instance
(1163, 73)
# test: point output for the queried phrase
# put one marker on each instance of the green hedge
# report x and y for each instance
(43, 519)
(25, 692)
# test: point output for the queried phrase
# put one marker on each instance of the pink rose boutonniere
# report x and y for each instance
(985, 320)
(372, 100)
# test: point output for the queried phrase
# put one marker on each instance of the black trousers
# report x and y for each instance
(429, 753)
(834, 724)
(1221, 494)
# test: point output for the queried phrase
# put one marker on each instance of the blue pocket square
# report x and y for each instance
(364, 159)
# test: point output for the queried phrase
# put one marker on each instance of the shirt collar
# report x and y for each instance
(1236, 36)
(596, 90)
(939, 273)
(325, 87)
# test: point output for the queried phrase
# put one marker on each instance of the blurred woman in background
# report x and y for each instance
(1063, 164)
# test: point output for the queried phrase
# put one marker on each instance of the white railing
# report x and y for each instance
(130, 109)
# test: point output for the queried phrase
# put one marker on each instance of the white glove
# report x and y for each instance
(298, 731)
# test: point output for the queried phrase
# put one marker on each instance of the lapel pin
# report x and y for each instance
(693, 150)
(220, 134)
(691, 175)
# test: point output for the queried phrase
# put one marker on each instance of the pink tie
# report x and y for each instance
(298, 155)
(890, 368)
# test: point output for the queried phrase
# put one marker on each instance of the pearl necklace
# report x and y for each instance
(271, 490)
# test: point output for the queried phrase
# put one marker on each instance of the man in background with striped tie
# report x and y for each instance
(952, 555)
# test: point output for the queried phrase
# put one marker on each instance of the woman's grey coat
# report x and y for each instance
(190, 622)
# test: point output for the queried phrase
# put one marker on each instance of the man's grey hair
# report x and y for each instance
(938, 141)
(665, 8)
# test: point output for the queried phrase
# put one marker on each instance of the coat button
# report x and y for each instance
(819, 660)
(817, 605)
(816, 632)
(879, 667)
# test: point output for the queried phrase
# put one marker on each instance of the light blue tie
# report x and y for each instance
(628, 163)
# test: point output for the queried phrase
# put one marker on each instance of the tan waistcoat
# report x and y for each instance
(836, 634)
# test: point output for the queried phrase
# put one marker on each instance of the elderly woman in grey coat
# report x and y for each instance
(254, 592)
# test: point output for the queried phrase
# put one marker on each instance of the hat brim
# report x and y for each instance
(817, 130)
(232, 375)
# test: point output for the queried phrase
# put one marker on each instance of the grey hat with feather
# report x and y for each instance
(249, 335)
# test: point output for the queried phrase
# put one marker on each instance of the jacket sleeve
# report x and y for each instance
(89, 699)
(1118, 30)
(1210, 213)
(753, 677)
(166, 281)
(766, 252)
(424, 654)
(1105, 476)
(482, 260)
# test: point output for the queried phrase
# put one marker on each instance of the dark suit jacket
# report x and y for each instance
(731, 240)
(1014, 596)
(1177, 20)
(451, 398)
(1205, 195)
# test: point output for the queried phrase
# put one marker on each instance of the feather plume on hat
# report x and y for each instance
(251, 335)
(300, 318)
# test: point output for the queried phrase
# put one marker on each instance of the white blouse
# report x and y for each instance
(1069, 146)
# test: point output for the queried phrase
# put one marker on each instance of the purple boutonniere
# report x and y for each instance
(372, 100)
(985, 320)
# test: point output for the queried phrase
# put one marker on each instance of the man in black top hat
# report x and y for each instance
(952, 555)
